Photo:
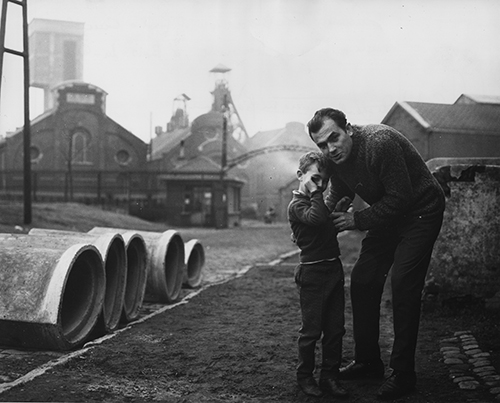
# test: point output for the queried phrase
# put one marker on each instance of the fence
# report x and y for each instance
(139, 193)
(116, 188)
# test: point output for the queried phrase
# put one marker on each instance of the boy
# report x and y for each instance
(319, 277)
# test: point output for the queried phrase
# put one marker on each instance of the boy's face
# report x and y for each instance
(312, 180)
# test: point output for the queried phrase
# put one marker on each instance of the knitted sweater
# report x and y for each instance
(389, 174)
(312, 228)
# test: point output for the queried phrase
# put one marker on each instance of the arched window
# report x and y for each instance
(80, 147)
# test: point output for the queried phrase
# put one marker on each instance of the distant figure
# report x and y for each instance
(404, 217)
(319, 278)
(270, 215)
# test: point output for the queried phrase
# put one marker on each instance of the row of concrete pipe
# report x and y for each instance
(60, 289)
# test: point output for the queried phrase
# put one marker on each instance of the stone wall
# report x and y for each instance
(466, 257)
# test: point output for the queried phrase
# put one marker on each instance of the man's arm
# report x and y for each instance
(336, 191)
(392, 171)
(389, 165)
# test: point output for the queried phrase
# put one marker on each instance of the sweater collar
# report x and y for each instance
(356, 142)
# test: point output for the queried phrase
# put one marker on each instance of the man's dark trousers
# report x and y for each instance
(321, 292)
(406, 247)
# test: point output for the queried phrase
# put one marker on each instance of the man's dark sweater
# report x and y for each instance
(313, 228)
(389, 174)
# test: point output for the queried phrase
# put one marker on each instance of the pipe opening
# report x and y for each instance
(174, 258)
(115, 269)
(195, 263)
(136, 277)
(80, 298)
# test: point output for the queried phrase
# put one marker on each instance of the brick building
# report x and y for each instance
(470, 127)
(75, 147)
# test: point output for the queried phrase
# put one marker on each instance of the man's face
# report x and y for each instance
(334, 142)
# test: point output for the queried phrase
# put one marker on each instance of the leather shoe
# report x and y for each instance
(358, 370)
(333, 387)
(310, 387)
(398, 384)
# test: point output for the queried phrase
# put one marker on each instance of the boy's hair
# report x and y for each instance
(314, 157)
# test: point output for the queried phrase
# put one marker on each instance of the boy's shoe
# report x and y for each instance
(309, 386)
(358, 370)
(333, 387)
(398, 384)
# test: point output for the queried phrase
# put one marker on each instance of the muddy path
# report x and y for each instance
(233, 342)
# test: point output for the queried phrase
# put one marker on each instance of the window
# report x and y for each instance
(35, 154)
(197, 200)
(202, 199)
(80, 147)
(233, 199)
(122, 157)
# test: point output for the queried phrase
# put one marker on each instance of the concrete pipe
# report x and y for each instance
(194, 261)
(165, 263)
(136, 275)
(112, 248)
(50, 298)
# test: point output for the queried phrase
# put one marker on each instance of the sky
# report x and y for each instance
(288, 58)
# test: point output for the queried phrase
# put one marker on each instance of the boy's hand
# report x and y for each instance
(310, 185)
(343, 205)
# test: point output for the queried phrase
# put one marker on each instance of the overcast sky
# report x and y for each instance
(288, 58)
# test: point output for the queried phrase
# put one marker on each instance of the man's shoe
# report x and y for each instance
(398, 384)
(333, 387)
(359, 370)
(309, 387)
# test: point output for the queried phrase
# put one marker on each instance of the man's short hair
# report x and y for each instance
(315, 124)
(314, 157)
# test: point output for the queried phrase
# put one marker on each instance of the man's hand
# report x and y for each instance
(343, 221)
(343, 204)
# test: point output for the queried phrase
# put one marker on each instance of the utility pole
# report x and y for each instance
(223, 163)
(220, 105)
(26, 134)
(222, 221)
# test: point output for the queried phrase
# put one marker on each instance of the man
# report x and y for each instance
(403, 220)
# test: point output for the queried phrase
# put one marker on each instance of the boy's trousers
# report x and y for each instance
(321, 292)
(407, 248)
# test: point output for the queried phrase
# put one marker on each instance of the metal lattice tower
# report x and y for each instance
(223, 102)
(25, 55)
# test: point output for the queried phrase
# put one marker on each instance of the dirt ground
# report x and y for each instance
(236, 341)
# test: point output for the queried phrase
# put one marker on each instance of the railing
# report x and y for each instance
(92, 186)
